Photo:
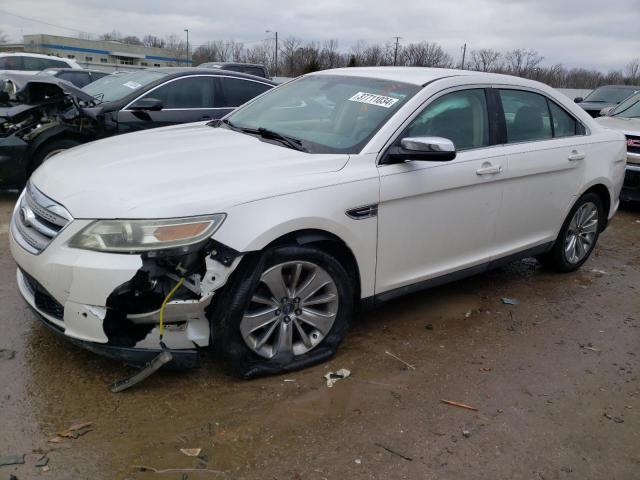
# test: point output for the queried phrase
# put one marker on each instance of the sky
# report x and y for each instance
(602, 34)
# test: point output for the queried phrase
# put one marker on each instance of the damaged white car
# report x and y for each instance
(261, 233)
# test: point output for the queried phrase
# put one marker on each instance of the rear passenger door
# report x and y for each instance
(545, 149)
(237, 91)
(184, 99)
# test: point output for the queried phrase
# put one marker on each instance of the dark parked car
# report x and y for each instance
(249, 68)
(49, 115)
(605, 96)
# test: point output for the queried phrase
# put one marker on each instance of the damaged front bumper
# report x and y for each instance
(110, 303)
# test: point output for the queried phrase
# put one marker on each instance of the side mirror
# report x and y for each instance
(430, 149)
(147, 104)
(578, 99)
(606, 111)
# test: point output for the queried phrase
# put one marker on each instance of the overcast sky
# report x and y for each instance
(601, 34)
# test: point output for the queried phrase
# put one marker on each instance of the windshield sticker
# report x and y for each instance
(373, 99)
(132, 85)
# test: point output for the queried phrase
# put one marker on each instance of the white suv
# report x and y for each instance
(29, 63)
(262, 232)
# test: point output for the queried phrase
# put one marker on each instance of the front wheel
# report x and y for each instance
(287, 310)
(578, 235)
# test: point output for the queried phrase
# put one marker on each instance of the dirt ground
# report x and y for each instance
(555, 380)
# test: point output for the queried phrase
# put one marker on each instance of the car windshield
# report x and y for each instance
(115, 87)
(326, 113)
(610, 94)
(630, 108)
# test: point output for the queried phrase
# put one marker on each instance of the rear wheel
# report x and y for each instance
(578, 235)
(288, 310)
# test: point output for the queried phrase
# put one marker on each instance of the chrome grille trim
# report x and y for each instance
(37, 220)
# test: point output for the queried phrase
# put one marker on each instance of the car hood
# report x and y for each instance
(184, 170)
(596, 106)
(628, 126)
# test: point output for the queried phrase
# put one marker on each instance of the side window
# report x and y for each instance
(237, 91)
(36, 64)
(461, 117)
(189, 92)
(526, 115)
(564, 125)
(13, 62)
(79, 78)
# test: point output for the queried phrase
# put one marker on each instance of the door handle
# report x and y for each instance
(576, 155)
(489, 170)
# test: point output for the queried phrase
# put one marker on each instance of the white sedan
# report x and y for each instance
(259, 234)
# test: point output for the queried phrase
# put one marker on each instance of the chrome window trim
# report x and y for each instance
(126, 108)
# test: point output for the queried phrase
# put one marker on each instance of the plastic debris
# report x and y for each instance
(42, 461)
(333, 377)
(598, 272)
(468, 314)
(615, 419)
(509, 301)
(408, 365)
(459, 405)
(466, 433)
(191, 452)
(358, 461)
(11, 460)
(429, 326)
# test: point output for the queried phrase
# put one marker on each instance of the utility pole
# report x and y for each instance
(187, 30)
(464, 53)
(395, 55)
(276, 53)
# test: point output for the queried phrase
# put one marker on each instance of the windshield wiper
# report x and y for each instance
(290, 142)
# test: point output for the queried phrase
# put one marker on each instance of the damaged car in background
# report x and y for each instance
(261, 233)
(49, 115)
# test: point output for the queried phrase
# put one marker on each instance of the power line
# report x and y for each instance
(45, 23)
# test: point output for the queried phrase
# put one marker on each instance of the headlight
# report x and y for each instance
(128, 236)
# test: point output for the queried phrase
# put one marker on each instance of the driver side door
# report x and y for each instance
(437, 219)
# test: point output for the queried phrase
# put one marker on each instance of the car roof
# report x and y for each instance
(61, 69)
(36, 55)
(619, 86)
(182, 71)
(420, 75)
(239, 64)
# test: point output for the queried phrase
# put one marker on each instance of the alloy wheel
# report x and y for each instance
(581, 233)
(291, 311)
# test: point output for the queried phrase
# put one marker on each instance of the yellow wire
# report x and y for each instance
(164, 304)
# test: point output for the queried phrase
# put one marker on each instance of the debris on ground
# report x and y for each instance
(468, 314)
(408, 365)
(466, 433)
(289, 380)
(589, 346)
(358, 461)
(598, 272)
(460, 405)
(191, 452)
(11, 460)
(429, 326)
(393, 452)
(509, 301)
(42, 461)
(611, 417)
(6, 354)
(333, 377)
(74, 431)
(144, 468)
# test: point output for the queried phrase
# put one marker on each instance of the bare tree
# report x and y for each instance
(632, 70)
(290, 56)
(485, 60)
(132, 40)
(153, 41)
(113, 35)
(425, 54)
(521, 61)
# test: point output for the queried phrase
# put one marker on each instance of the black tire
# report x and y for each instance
(557, 258)
(41, 154)
(230, 306)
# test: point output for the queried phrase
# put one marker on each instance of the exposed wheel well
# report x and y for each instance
(605, 198)
(329, 243)
(35, 151)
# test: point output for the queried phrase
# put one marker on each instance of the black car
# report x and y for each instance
(248, 68)
(605, 96)
(50, 115)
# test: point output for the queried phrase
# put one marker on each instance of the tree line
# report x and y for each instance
(297, 57)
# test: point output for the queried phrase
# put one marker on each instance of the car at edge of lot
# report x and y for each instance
(249, 68)
(605, 97)
(75, 76)
(626, 119)
(31, 63)
(52, 117)
(259, 234)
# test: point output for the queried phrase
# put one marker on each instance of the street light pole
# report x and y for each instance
(275, 68)
(187, 30)
(395, 55)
